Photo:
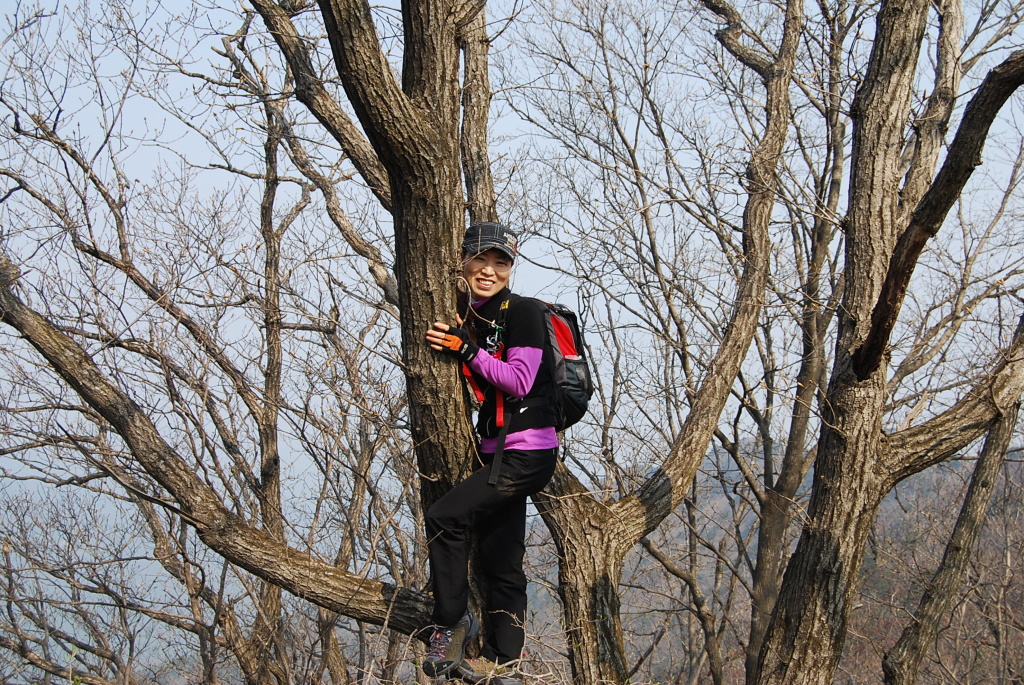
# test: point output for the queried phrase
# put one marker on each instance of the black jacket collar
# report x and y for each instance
(489, 309)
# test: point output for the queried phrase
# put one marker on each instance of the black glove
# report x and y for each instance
(457, 342)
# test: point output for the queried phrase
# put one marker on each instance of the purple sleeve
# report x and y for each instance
(515, 375)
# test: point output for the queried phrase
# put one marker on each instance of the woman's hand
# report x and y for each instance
(436, 335)
(445, 338)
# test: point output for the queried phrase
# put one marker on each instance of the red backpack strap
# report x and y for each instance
(468, 373)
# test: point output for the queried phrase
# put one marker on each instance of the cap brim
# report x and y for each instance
(483, 246)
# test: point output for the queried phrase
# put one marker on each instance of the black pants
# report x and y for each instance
(498, 515)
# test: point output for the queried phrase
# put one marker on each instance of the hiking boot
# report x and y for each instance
(448, 645)
(485, 671)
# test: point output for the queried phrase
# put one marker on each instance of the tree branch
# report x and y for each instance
(730, 38)
(310, 91)
(964, 155)
(223, 531)
(476, 107)
(915, 449)
(392, 123)
(901, 663)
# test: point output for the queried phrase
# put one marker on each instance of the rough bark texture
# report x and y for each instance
(804, 640)
(414, 130)
(964, 156)
(476, 110)
(591, 541)
(857, 464)
(413, 150)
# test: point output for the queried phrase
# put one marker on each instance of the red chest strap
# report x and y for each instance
(499, 396)
(468, 373)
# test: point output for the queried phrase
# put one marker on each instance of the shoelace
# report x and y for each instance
(439, 642)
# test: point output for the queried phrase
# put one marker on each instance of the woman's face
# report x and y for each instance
(487, 273)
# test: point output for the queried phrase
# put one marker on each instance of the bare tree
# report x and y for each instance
(219, 310)
(230, 347)
(629, 156)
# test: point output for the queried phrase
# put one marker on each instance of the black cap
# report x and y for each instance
(485, 235)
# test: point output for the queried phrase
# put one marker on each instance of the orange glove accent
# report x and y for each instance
(458, 342)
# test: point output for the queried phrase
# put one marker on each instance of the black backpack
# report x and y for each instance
(570, 371)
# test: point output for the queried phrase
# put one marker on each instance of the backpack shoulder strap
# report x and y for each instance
(503, 310)
(502, 418)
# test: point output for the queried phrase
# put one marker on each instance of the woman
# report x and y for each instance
(502, 345)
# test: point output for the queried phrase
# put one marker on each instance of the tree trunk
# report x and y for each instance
(414, 129)
(591, 541)
(856, 465)
(779, 496)
(805, 639)
(476, 110)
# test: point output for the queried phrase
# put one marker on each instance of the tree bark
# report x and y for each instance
(476, 110)
(805, 636)
(963, 157)
(414, 130)
(591, 541)
(779, 496)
